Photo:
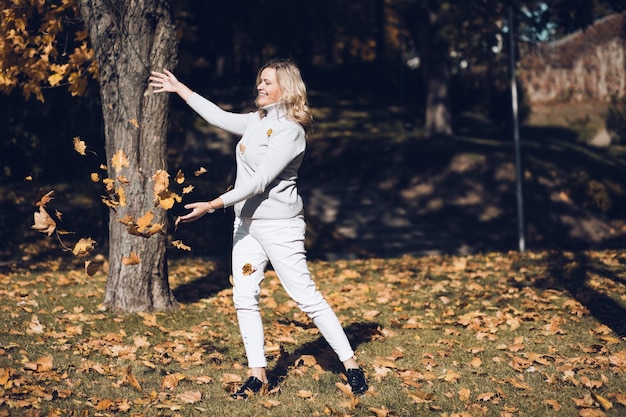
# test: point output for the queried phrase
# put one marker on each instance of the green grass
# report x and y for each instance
(496, 334)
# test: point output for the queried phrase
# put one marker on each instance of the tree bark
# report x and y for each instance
(131, 37)
(438, 115)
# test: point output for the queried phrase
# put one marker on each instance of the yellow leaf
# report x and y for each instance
(133, 259)
(55, 79)
(121, 195)
(154, 229)
(200, 171)
(83, 246)
(43, 222)
(190, 397)
(345, 388)
(180, 177)
(119, 161)
(134, 122)
(123, 179)
(45, 199)
(144, 221)
(79, 146)
(188, 189)
(380, 412)
(604, 403)
(476, 362)
(304, 394)
(161, 182)
(178, 244)
(269, 403)
(464, 394)
(95, 177)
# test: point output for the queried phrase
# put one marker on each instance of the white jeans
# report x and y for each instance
(280, 242)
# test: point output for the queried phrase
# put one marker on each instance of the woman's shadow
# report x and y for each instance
(358, 333)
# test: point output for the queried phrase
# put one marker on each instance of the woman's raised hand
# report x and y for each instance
(164, 82)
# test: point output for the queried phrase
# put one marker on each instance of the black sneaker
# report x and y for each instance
(253, 385)
(356, 380)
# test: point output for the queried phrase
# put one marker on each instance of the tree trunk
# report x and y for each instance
(131, 37)
(438, 116)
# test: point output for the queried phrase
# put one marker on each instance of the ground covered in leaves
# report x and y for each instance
(497, 334)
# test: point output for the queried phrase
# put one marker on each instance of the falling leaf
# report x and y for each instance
(199, 171)
(43, 222)
(180, 245)
(83, 246)
(161, 182)
(95, 177)
(92, 267)
(119, 161)
(134, 122)
(122, 179)
(45, 199)
(79, 146)
(269, 133)
(145, 221)
(133, 259)
(188, 189)
(180, 177)
(121, 196)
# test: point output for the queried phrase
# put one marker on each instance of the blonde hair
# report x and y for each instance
(294, 96)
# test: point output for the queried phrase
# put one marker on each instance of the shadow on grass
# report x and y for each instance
(358, 333)
(372, 188)
(573, 275)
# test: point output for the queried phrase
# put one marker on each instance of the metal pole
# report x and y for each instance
(519, 172)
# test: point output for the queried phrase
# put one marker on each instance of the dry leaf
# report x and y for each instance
(189, 397)
(199, 171)
(248, 269)
(145, 221)
(92, 267)
(79, 146)
(180, 177)
(133, 259)
(304, 394)
(43, 222)
(119, 161)
(83, 246)
(180, 245)
(45, 199)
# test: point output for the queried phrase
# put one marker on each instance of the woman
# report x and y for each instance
(269, 223)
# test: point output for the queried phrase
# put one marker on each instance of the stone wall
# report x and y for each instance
(589, 65)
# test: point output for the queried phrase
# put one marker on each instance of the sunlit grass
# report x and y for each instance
(495, 334)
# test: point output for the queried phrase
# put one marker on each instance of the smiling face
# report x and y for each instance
(268, 90)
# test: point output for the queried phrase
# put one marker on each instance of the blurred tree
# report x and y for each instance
(453, 37)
